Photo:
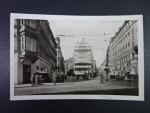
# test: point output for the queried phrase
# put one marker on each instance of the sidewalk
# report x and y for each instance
(84, 87)
(41, 85)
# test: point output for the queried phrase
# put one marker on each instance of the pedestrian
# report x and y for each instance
(32, 79)
(36, 78)
(40, 79)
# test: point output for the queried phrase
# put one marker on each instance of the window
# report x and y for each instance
(129, 57)
(128, 33)
(133, 55)
(130, 23)
(30, 44)
(126, 26)
(81, 69)
(83, 50)
(22, 42)
(22, 22)
(81, 64)
(128, 44)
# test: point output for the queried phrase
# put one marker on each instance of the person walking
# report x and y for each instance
(32, 79)
(36, 78)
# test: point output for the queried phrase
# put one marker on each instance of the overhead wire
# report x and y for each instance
(82, 36)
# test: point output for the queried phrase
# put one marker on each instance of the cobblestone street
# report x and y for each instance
(83, 87)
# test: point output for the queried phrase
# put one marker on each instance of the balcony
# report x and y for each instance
(29, 31)
(28, 56)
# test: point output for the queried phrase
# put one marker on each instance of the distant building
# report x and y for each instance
(123, 52)
(60, 58)
(102, 67)
(83, 59)
(35, 49)
(69, 65)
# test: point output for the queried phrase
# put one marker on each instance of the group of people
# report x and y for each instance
(37, 77)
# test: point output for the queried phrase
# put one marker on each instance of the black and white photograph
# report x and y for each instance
(76, 57)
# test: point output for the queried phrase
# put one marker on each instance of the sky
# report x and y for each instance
(94, 30)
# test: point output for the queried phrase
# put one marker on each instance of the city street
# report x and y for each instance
(76, 55)
(82, 87)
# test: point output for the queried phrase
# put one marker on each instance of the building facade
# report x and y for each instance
(83, 59)
(123, 52)
(60, 58)
(35, 49)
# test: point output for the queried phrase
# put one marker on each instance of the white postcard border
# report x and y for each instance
(62, 17)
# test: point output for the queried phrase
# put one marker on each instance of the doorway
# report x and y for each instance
(26, 73)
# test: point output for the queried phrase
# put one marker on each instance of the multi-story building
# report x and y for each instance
(83, 59)
(123, 52)
(60, 58)
(35, 49)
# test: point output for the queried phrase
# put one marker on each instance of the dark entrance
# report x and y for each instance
(26, 73)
